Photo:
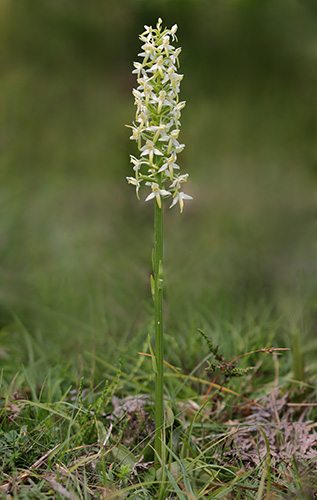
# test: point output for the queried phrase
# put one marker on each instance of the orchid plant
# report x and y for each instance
(156, 131)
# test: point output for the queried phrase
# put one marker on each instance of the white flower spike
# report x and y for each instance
(157, 120)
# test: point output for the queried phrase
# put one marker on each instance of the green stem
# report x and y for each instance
(158, 326)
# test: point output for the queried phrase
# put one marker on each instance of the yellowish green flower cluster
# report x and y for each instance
(157, 121)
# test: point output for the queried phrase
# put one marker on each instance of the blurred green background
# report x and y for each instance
(75, 243)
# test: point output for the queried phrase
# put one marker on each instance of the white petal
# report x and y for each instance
(163, 167)
(151, 195)
(163, 192)
(174, 202)
(132, 180)
(186, 196)
(158, 152)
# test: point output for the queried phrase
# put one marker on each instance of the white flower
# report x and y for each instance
(176, 111)
(174, 57)
(137, 164)
(161, 100)
(151, 150)
(170, 165)
(180, 197)
(158, 129)
(173, 31)
(165, 45)
(136, 133)
(149, 51)
(173, 78)
(173, 142)
(158, 67)
(136, 183)
(144, 85)
(180, 106)
(178, 181)
(138, 68)
(142, 116)
(138, 95)
(148, 32)
(156, 193)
